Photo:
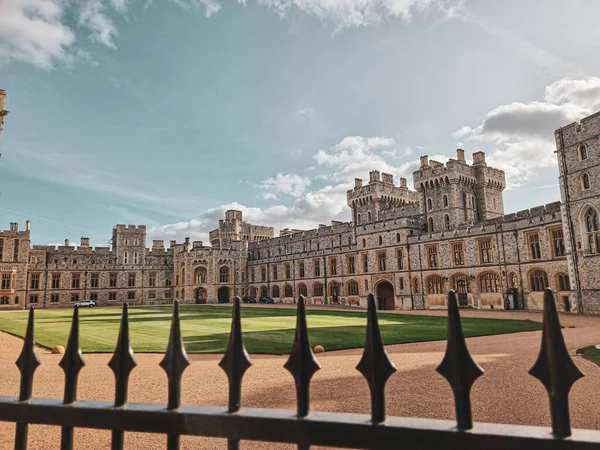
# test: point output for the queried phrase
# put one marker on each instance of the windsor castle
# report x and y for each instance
(408, 247)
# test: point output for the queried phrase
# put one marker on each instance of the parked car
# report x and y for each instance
(266, 300)
(248, 300)
(88, 303)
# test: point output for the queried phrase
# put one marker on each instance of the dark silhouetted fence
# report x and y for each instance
(554, 368)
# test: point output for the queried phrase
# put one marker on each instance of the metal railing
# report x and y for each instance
(554, 368)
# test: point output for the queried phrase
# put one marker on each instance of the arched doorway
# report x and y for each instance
(223, 294)
(253, 292)
(334, 292)
(385, 296)
(200, 296)
(460, 284)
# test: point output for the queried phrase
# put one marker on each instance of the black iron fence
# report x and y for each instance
(554, 368)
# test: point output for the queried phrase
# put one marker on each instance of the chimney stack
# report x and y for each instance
(28, 226)
(172, 243)
(66, 242)
(357, 182)
(403, 182)
(479, 158)
(460, 154)
(85, 242)
(424, 161)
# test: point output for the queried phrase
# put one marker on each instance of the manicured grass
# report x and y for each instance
(206, 329)
(591, 353)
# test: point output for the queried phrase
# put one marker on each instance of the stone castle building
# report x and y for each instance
(409, 247)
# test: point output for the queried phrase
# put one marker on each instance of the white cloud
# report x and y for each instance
(210, 6)
(268, 196)
(305, 111)
(93, 17)
(290, 183)
(521, 135)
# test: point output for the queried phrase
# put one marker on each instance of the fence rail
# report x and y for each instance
(554, 368)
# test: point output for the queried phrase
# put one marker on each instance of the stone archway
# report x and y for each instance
(223, 294)
(200, 296)
(385, 296)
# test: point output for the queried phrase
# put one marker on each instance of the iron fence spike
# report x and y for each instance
(302, 363)
(175, 360)
(458, 367)
(236, 360)
(375, 364)
(123, 360)
(555, 369)
(72, 362)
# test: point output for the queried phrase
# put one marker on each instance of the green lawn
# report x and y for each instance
(591, 353)
(266, 330)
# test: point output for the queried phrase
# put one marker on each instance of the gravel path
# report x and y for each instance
(505, 394)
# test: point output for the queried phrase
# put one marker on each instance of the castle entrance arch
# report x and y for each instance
(223, 294)
(461, 286)
(385, 296)
(200, 296)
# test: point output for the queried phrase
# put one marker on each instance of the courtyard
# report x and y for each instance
(505, 394)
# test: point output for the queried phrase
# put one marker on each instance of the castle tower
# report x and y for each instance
(456, 193)
(129, 244)
(368, 202)
(578, 152)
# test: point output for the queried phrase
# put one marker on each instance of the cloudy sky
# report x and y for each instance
(169, 112)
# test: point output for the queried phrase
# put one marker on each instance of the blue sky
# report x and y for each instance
(168, 112)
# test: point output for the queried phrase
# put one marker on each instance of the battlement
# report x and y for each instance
(14, 229)
(577, 132)
(122, 228)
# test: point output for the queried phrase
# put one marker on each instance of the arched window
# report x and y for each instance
(563, 282)
(302, 290)
(4, 300)
(397, 238)
(224, 274)
(352, 287)
(447, 222)
(126, 241)
(275, 290)
(582, 152)
(445, 201)
(538, 280)
(429, 204)
(369, 216)
(136, 241)
(512, 280)
(318, 290)
(364, 243)
(135, 257)
(430, 227)
(585, 181)
(288, 291)
(592, 226)
(489, 282)
(200, 275)
(264, 292)
(435, 285)
(126, 258)
(358, 219)
(380, 240)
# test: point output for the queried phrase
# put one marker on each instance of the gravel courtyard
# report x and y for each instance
(505, 394)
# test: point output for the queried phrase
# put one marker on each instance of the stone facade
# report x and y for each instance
(409, 247)
(3, 112)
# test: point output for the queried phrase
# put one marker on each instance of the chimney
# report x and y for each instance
(172, 243)
(479, 158)
(85, 242)
(28, 226)
(16, 227)
(66, 242)
(424, 161)
(460, 154)
(357, 182)
(187, 244)
(403, 182)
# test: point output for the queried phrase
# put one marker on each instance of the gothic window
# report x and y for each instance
(447, 222)
(538, 280)
(302, 290)
(582, 152)
(6, 281)
(364, 242)
(513, 281)
(432, 256)
(263, 274)
(430, 227)
(380, 240)
(35, 281)
(126, 257)
(302, 274)
(135, 257)
(458, 254)
(333, 265)
(397, 238)
(224, 274)
(400, 259)
(351, 265)
(112, 280)
(200, 275)
(429, 204)
(435, 285)
(585, 181)
(275, 273)
(126, 241)
(415, 285)
(4, 300)
(558, 243)
(275, 291)
(288, 273)
(534, 246)
(288, 291)
(318, 290)
(131, 281)
(56, 281)
(382, 262)
(592, 230)
(489, 282)
(94, 280)
(75, 280)
(563, 282)
(369, 216)
(317, 268)
(152, 279)
(352, 288)
(365, 263)
(485, 251)
(445, 201)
